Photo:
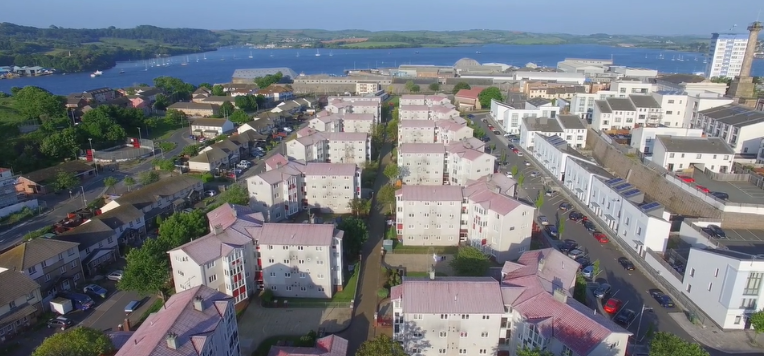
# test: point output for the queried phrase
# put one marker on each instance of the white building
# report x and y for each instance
(355, 105)
(553, 153)
(510, 117)
(579, 175)
(429, 215)
(725, 284)
(583, 103)
(741, 127)
(676, 108)
(223, 259)
(559, 77)
(623, 88)
(428, 131)
(622, 113)
(288, 187)
(574, 130)
(452, 130)
(366, 87)
(573, 66)
(421, 163)
(208, 127)
(361, 123)
(726, 52)
(467, 160)
(683, 153)
(482, 316)
(530, 127)
(638, 223)
(326, 123)
(427, 100)
(643, 138)
(197, 321)
(339, 147)
(424, 112)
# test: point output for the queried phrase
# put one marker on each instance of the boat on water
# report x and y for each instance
(122, 71)
(96, 74)
(318, 54)
(758, 55)
(331, 54)
(250, 55)
(298, 54)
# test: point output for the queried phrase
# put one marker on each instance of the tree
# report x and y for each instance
(492, 146)
(217, 90)
(65, 180)
(176, 88)
(147, 268)
(109, 182)
(226, 109)
(166, 165)
(161, 103)
(514, 170)
(434, 86)
(239, 116)
(356, 234)
(560, 228)
(725, 80)
(148, 177)
(520, 179)
(665, 344)
(596, 268)
(488, 94)
(503, 158)
(410, 86)
(35, 103)
(386, 196)
(415, 89)
(359, 207)
(383, 293)
(757, 321)
(470, 261)
(61, 144)
(235, 194)
(129, 182)
(540, 199)
(166, 146)
(206, 85)
(266, 81)
(190, 150)
(580, 290)
(394, 277)
(382, 345)
(460, 86)
(533, 352)
(392, 172)
(79, 341)
(175, 117)
(246, 102)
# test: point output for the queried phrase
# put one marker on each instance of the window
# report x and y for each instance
(699, 156)
(463, 334)
(484, 334)
(462, 351)
(716, 273)
(671, 155)
(443, 334)
(441, 351)
(532, 338)
(212, 278)
(417, 316)
(709, 286)
(486, 317)
(63, 269)
(753, 284)
(417, 334)
(443, 316)
(738, 319)
(482, 351)
(465, 316)
(287, 275)
(692, 272)
(566, 351)
(32, 270)
(689, 288)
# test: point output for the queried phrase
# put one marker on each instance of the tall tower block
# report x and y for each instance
(742, 87)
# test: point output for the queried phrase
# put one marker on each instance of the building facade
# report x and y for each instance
(338, 147)
(54, 265)
(740, 127)
(685, 153)
(643, 138)
(726, 52)
(421, 163)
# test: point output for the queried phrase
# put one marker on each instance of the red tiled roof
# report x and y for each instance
(452, 295)
(331, 345)
(471, 94)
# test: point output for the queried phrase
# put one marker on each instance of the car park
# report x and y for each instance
(720, 195)
(565, 206)
(662, 299)
(115, 276)
(526, 162)
(703, 189)
(612, 306)
(626, 264)
(588, 272)
(602, 238)
(59, 322)
(95, 289)
(552, 230)
(625, 317)
(568, 245)
(686, 179)
(543, 220)
(602, 291)
(534, 174)
(715, 231)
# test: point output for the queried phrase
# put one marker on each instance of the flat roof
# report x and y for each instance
(712, 145)
(739, 192)
(735, 115)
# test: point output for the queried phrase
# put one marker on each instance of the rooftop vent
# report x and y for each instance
(172, 340)
(199, 303)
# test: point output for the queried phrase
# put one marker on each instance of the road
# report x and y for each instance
(631, 287)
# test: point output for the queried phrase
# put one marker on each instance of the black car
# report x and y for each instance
(662, 299)
(485, 139)
(720, 195)
(715, 231)
(625, 317)
(603, 291)
(565, 206)
(590, 226)
(575, 216)
(627, 265)
(584, 261)
(511, 146)
(551, 230)
(568, 245)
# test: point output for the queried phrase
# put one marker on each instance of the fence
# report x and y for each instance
(726, 177)
(125, 153)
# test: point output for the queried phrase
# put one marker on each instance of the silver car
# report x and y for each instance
(543, 220)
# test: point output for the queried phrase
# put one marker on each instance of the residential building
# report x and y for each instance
(331, 345)
(741, 127)
(643, 138)
(552, 91)
(224, 259)
(427, 100)
(648, 110)
(276, 92)
(429, 215)
(197, 321)
(450, 130)
(288, 187)
(193, 109)
(582, 104)
(574, 130)
(300, 260)
(726, 53)
(421, 163)
(614, 113)
(467, 99)
(366, 87)
(355, 104)
(676, 108)
(39, 181)
(218, 100)
(725, 284)
(8, 194)
(326, 123)
(340, 147)
(247, 76)
(684, 153)
(559, 77)
(417, 131)
(100, 95)
(531, 307)
(553, 153)
(466, 160)
(287, 108)
(579, 175)
(53, 264)
(220, 155)
(360, 123)
(640, 224)
(625, 88)
(424, 112)
(211, 128)
(530, 127)
(510, 116)
(20, 303)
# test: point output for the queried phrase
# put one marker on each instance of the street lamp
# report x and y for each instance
(91, 145)
(84, 201)
(139, 134)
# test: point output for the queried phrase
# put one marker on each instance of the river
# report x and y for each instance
(218, 66)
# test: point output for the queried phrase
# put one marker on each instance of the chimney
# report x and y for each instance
(560, 295)
(217, 229)
(198, 303)
(311, 219)
(172, 340)
(126, 325)
(541, 264)
(432, 274)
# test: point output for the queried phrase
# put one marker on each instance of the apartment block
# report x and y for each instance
(466, 160)
(740, 127)
(428, 131)
(683, 153)
(355, 105)
(574, 130)
(288, 187)
(197, 321)
(327, 122)
(480, 315)
(676, 107)
(643, 138)
(424, 112)
(426, 100)
(582, 104)
(510, 115)
(339, 147)
(626, 113)
(530, 127)
(625, 88)
(421, 163)
(429, 215)
(54, 265)
(20, 303)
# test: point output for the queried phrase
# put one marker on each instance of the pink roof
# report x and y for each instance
(443, 109)
(323, 113)
(413, 97)
(330, 169)
(498, 203)
(346, 136)
(331, 345)
(451, 295)
(436, 148)
(295, 234)
(463, 145)
(473, 155)
(414, 108)
(447, 124)
(276, 161)
(306, 131)
(329, 118)
(471, 94)
(416, 123)
(495, 182)
(430, 193)
(365, 103)
(358, 117)
(179, 317)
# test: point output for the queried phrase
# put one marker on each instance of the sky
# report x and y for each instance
(655, 17)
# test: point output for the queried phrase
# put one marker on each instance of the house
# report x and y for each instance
(20, 303)
(8, 194)
(530, 127)
(366, 87)
(201, 93)
(164, 197)
(740, 127)
(510, 115)
(676, 107)
(288, 187)
(340, 147)
(530, 308)
(626, 113)
(331, 345)
(467, 99)
(42, 181)
(75, 101)
(649, 111)
(211, 127)
(139, 102)
(53, 264)
(643, 138)
(213, 158)
(276, 93)
(287, 108)
(579, 175)
(101, 95)
(573, 130)
(466, 160)
(421, 163)
(197, 321)
(195, 109)
(677, 153)
(221, 259)
(582, 104)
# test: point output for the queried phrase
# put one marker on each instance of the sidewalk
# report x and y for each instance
(733, 342)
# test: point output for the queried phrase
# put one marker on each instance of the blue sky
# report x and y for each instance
(700, 17)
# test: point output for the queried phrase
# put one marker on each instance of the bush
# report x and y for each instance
(267, 295)
(383, 293)
(207, 177)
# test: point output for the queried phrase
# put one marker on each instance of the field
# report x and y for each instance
(8, 113)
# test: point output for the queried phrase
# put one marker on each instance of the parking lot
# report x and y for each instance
(739, 192)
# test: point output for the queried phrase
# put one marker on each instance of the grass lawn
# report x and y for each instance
(8, 113)
(373, 44)
(161, 131)
(440, 250)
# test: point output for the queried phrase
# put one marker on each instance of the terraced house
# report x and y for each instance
(20, 303)
(54, 265)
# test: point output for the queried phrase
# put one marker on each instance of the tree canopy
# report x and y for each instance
(382, 345)
(246, 102)
(235, 194)
(665, 344)
(226, 109)
(356, 234)
(35, 103)
(175, 88)
(181, 227)
(79, 341)
(460, 86)
(434, 86)
(469, 261)
(489, 93)
(264, 82)
(239, 116)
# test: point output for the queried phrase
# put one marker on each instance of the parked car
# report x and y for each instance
(602, 238)
(590, 226)
(543, 220)
(552, 230)
(568, 245)
(720, 195)
(471, 116)
(59, 322)
(687, 179)
(625, 317)
(534, 174)
(702, 189)
(715, 231)
(583, 261)
(95, 289)
(575, 216)
(490, 127)
(525, 162)
(132, 306)
(496, 132)
(626, 264)
(115, 276)
(588, 272)
(287, 129)
(210, 193)
(662, 299)
(550, 193)
(602, 291)
(511, 147)
(565, 206)
(575, 253)
(612, 306)
(509, 175)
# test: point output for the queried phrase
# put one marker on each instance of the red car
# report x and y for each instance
(601, 237)
(515, 150)
(490, 127)
(703, 189)
(612, 306)
(687, 179)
